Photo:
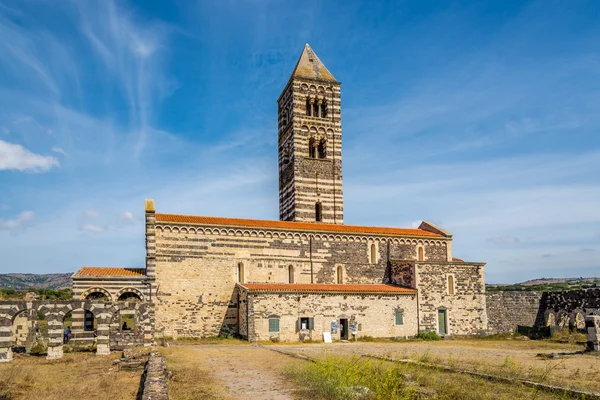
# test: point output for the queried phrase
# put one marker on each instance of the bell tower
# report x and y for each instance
(310, 144)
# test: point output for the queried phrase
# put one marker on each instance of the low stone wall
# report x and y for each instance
(155, 382)
(121, 340)
(506, 310)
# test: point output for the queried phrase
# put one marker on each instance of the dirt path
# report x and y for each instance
(247, 372)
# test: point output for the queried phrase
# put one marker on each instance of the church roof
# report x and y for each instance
(292, 225)
(329, 288)
(103, 271)
(311, 67)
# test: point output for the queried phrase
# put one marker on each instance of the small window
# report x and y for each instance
(373, 254)
(322, 149)
(312, 148)
(451, 285)
(284, 120)
(340, 275)
(324, 110)
(291, 274)
(240, 273)
(274, 325)
(318, 212)
(308, 107)
(399, 318)
(286, 156)
(421, 258)
(315, 110)
(306, 323)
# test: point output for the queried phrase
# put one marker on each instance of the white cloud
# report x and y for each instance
(127, 218)
(91, 228)
(503, 240)
(91, 214)
(20, 221)
(16, 157)
(59, 150)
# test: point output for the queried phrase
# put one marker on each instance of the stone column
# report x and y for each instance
(150, 240)
(592, 325)
(103, 330)
(6, 354)
(55, 336)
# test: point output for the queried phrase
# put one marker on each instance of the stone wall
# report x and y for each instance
(465, 307)
(197, 268)
(373, 314)
(506, 310)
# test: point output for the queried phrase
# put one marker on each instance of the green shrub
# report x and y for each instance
(431, 335)
(38, 350)
(351, 378)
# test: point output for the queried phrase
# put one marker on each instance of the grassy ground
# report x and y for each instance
(190, 379)
(507, 358)
(228, 371)
(75, 376)
(336, 377)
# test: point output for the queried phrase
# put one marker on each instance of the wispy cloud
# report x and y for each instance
(16, 157)
(91, 214)
(127, 218)
(20, 221)
(91, 228)
(59, 151)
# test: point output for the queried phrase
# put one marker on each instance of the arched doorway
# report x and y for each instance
(79, 329)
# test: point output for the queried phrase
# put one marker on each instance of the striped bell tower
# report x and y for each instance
(310, 144)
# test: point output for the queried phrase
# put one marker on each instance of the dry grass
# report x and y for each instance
(75, 376)
(190, 379)
(506, 358)
(335, 377)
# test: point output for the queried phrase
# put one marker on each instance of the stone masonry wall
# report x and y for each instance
(374, 314)
(197, 268)
(506, 310)
(466, 308)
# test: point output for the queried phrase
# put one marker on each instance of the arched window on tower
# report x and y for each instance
(312, 148)
(284, 119)
(373, 254)
(308, 107)
(286, 156)
(240, 271)
(291, 274)
(315, 110)
(340, 274)
(322, 149)
(420, 254)
(324, 110)
(318, 212)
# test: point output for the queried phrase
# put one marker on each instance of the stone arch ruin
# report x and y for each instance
(55, 311)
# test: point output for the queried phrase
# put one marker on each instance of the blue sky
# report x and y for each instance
(479, 116)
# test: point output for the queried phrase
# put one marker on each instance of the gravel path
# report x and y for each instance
(248, 372)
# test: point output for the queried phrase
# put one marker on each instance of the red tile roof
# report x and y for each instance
(457, 259)
(290, 225)
(320, 287)
(102, 271)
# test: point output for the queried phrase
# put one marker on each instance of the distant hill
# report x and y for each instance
(547, 285)
(35, 281)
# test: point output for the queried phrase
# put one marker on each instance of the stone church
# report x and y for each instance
(308, 274)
